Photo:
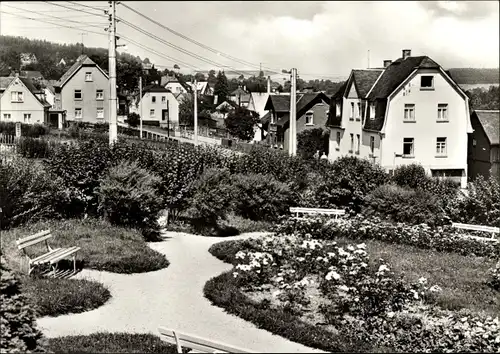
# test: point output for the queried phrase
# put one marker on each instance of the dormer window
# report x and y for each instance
(427, 82)
(372, 111)
(88, 76)
(337, 109)
(309, 118)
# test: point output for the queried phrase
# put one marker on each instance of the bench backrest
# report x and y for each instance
(33, 239)
(199, 344)
(491, 229)
(317, 211)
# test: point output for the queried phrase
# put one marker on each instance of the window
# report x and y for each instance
(337, 109)
(100, 113)
(427, 82)
(163, 99)
(153, 99)
(99, 95)
(358, 111)
(408, 148)
(372, 111)
(78, 94)
(88, 76)
(358, 142)
(409, 115)
(474, 142)
(372, 144)
(152, 113)
(309, 118)
(17, 96)
(6, 116)
(352, 142)
(27, 117)
(78, 113)
(443, 112)
(352, 111)
(338, 141)
(441, 146)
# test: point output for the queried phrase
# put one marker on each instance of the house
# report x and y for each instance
(257, 103)
(240, 96)
(484, 148)
(176, 87)
(410, 111)
(21, 102)
(32, 75)
(83, 92)
(158, 107)
(27, 59)
(312, 112)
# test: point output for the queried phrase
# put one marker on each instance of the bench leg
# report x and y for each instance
(178, 343)
(74, 264)
(54, 269)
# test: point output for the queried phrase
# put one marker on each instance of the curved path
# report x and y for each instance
(171, 297)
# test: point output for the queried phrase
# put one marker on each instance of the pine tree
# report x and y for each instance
(221, 88)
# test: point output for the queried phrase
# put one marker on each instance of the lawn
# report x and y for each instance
(104, 247)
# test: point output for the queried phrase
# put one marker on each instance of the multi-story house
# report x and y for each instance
(413, 112)
(83, 92)
(484, 144)
(158, 106)
(21, 102)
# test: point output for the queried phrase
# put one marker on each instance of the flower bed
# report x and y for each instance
(443, 239)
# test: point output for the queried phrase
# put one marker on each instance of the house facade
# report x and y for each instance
(158, 107)
(413, 112)
(83, 92)
(21, 102)
(484, 144)
(176, 87)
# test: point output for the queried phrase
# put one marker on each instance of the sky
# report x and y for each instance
(323, 40)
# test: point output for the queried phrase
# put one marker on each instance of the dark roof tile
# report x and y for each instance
(490, 121)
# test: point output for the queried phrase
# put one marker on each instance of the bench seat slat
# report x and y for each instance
(49, 257)
(492, 229)
(66, 252)
(40, 259)
(33, 237)
(33, 242)
(199, 344)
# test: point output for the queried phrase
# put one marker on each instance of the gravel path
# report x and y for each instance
(171, 297)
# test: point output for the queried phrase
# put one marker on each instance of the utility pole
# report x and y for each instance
(195, 95)
(83, 34)
(292, 144)
(368, 67)
(140, 106)
(113, 129)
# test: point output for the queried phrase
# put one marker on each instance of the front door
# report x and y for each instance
(165, 118)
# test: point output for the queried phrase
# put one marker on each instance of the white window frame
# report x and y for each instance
(7, 116)
(372, 111)
(17, 96)
(81, 95)
(442, 112)
(99, 97)
(80, 116)
(101, 110)
(409, 112)
(337, 109)
(339, 139)
(351, 150)
(427, 87)
(27, 117)
(358, 143)
(88, 76)
(351, 117)
(151, 113)
(411, 142)
(441, 146)
(372, 144)
(358, 110)
(310, 118)
(163, 99)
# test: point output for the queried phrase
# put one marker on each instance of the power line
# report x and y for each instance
(75, 9)
(87, 6)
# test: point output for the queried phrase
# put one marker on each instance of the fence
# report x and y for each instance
(8, 147)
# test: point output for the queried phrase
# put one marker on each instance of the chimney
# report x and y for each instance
(387, 63)
(268, 85)
(406, 53)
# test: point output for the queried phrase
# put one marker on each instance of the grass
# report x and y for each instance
(463, 279)
(54, 297)
(103, 246)
(110, 343)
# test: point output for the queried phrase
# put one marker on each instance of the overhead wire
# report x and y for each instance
(88, 6)
(79, 10)
(55, 17)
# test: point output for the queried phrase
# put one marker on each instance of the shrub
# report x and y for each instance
(412, 175)
(261, 197)
(212, 198)
(33, 148)
(28, 193)
(133, 119)
(404, 205)
(310, 141)
(27, 130)
(19, 332)
(128, 196)
(495, 277)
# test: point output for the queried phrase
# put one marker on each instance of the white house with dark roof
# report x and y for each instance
(158, 107)
(413, 112)
(83, 92)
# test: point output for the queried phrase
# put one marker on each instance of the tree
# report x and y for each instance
(312, 140)
(186, 106)
(199, 77)
(221, 89)
(146, 61)
(241, 123)
(212, 79)
(133, 119)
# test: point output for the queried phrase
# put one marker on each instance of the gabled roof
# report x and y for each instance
(364, 80)
(154, 88)
(397, 72)
(83, 60)
(30, 74)
(6, 81)
(259, 101)
(490, 121)
(280, 103)
(239, 91)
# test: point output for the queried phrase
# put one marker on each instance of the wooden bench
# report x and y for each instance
(197, 344)
(51, 257)
(313, 211)
(493, 230)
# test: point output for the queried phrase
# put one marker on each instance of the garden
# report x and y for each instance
(393, 266)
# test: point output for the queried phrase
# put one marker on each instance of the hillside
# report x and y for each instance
(472, 76)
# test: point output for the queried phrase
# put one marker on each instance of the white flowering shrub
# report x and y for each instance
(495, 277)
(254, 269)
